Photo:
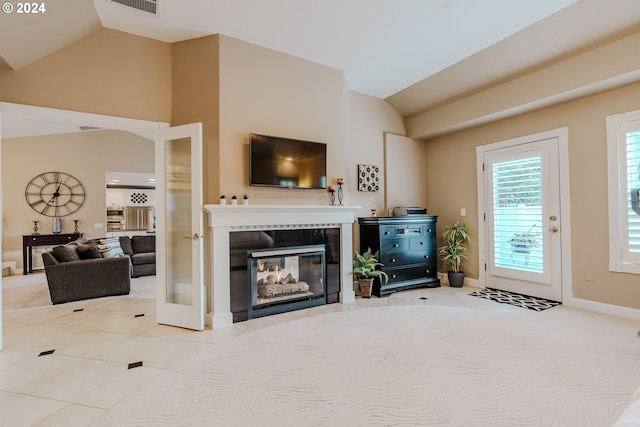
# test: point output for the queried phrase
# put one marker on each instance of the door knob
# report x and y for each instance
(194, 237)
(554, 229)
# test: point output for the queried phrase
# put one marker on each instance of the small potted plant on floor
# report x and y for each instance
(364, 268)
(454, 250)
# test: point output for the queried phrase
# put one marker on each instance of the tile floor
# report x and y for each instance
(66, 365)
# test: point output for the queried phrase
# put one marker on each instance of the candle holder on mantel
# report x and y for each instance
(332, 194)
(75, 226)
(36, 232)
(340, 181)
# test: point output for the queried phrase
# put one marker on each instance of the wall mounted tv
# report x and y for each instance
(287, 163)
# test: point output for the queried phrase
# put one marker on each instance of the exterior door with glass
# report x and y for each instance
(179, 227)
(523, 237)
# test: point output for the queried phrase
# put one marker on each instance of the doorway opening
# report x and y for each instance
(44, 121)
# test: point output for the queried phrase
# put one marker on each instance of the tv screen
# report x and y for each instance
(287, 163)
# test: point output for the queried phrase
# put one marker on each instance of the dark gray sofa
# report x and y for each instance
(142, 251)
(79, 279)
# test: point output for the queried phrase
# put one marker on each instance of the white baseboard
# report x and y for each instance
(599, 307)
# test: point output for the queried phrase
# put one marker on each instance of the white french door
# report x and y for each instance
(522, 230)
(179, 225)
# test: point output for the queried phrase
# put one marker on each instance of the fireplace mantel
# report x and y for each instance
(224, 219)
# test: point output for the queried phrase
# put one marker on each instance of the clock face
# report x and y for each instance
(54, 194)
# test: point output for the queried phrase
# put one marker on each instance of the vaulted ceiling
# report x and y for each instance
(416, 54)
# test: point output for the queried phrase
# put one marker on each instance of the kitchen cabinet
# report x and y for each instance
(115, 197)
(407, 246)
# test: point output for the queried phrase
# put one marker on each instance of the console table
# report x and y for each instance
(30, 240)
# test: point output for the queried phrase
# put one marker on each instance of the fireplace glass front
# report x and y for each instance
(285, 279)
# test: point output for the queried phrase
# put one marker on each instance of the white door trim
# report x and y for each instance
(562, 134)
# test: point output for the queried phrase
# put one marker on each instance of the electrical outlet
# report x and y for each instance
(98, 225)
(589, 276)
(463, 212)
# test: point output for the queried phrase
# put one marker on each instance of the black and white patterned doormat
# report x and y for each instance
(519, 300)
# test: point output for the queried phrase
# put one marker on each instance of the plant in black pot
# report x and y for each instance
(454, 250)
(364, 268)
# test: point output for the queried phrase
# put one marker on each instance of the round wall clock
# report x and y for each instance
(54, 194)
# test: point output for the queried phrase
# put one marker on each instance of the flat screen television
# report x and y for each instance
(287, 163)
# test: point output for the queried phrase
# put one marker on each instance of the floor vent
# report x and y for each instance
(144, 5)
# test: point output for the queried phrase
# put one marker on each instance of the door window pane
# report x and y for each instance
(178, 220)
(517, 214)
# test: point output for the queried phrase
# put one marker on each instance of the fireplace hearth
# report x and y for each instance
(285, 279)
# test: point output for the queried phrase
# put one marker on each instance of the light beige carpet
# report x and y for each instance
(403, 365)
(31, 290)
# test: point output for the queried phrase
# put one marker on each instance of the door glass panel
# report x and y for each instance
(178, 221)
(517, 214)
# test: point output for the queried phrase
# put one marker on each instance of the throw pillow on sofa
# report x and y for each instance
(89, 252)
(125, 244)
(110, 248)
(65, 253)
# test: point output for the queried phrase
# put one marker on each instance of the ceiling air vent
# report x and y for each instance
(144, 5)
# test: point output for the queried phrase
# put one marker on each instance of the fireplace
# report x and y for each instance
(310, 255)
(236, 227)
(285, 279)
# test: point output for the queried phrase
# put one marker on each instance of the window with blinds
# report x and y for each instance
(623, 152)
(517, 214)
(632, 190)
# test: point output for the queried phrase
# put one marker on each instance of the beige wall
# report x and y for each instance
(108, 72)
(268, 92)
(585, 119)
(195, 88)
(85, 155)
(368, 120)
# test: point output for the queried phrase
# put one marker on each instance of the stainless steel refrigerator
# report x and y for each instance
(140, 218)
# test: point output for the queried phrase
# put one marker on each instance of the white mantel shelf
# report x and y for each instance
(224, 219)
(252, 216)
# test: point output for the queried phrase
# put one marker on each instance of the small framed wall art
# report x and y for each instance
(368, 178)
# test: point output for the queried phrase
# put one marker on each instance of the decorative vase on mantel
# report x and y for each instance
(56, 226)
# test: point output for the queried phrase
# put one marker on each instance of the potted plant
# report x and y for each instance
(223, 200)
(234, 200)
(245, 199)
(364, 268)
(454, 250)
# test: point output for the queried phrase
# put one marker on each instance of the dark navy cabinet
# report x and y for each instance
(407, 246)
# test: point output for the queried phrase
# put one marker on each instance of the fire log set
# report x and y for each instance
(273, 285)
